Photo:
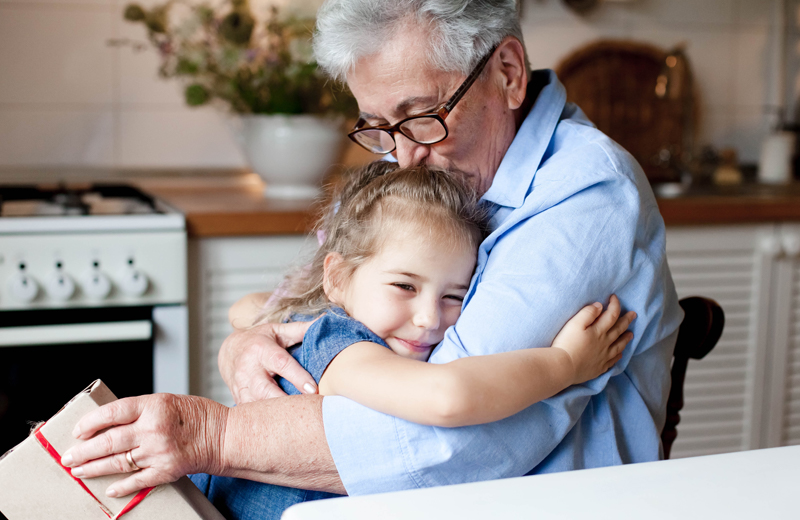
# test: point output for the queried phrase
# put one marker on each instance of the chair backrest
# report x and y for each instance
(701, 329)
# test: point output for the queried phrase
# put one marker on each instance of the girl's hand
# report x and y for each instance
(594, 339)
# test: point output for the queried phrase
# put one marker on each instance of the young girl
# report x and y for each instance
(388, 281)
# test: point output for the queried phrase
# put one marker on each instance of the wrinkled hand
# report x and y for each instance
(168, 436)
(250, 359)
(595, 339)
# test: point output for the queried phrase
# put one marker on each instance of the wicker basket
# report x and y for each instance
(614, 82)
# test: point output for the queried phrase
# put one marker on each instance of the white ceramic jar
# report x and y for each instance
(775, 162)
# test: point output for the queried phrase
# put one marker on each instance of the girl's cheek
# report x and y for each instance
(451, 316)
(392, 294)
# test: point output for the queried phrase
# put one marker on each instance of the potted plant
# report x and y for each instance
(289, 116)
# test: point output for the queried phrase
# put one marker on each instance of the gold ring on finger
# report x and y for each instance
(131, 464)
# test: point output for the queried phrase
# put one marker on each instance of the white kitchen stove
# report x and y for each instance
(92, 285)
(96, 246)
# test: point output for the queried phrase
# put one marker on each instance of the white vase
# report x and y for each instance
(292, 153)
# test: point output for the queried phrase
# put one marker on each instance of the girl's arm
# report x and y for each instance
(479, 389)
(244, 312)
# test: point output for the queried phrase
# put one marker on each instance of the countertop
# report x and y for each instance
(216, 202)
(230, 210)
(747, 203)
(243, 210)
(231, 202)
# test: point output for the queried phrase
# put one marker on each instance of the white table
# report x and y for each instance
(746, 485)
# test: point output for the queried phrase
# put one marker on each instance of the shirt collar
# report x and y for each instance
(518, 167)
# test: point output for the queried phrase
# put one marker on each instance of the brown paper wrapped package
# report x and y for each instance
(33, 486)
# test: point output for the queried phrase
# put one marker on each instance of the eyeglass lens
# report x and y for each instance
(376, 141)
(423, 130)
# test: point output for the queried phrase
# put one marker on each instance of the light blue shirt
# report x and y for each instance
(575, 222)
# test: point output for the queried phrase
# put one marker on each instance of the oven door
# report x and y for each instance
(48, 356)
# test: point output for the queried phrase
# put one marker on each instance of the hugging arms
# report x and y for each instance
(170, 435)
(573, 221)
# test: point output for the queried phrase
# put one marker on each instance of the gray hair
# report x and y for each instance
(463, 31)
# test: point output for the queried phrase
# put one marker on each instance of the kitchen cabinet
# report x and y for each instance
(745, 394)
(783, 427)
(222, 270)
(723, 392)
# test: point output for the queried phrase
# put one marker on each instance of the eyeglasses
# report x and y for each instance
(428, 128)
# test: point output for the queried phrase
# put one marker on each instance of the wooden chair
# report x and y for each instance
(701, 329)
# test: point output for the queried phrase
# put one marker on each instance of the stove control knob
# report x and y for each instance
(96, 284)
(23, 287)
(60, 286)
(133, 282)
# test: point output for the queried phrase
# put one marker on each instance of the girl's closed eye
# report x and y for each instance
(456, 297)
(404, 286)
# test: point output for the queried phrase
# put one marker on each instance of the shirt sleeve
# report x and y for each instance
(542, 269)
(324, 340)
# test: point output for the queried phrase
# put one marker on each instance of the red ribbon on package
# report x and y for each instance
(54, 453)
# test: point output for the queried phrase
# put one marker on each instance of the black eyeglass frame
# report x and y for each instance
(440, 114)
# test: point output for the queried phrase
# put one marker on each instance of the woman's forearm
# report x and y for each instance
(280, 441)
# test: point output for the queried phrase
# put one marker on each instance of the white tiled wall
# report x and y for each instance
(67, 98)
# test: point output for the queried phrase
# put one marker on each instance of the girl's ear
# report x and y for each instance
(331, 278)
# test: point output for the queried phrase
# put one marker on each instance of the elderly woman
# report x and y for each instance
(574, 221)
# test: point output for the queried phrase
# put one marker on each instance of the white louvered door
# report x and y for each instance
(783, 427)
(724, 392)
(222, 270)
(791, 412)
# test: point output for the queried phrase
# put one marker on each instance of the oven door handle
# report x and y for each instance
(76, 333)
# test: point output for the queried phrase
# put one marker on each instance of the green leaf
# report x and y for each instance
(196, 95)
(186, 67)
(237, 27)
(223, 55)
(134, 13)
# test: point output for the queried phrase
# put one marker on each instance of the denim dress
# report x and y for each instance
(240, 499)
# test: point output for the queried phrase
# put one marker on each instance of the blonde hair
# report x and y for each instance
(377, 201)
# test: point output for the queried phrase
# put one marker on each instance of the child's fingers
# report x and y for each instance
(622, 324)
(613, 362)
(616, 348)
(588, 315)
(610, 316)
